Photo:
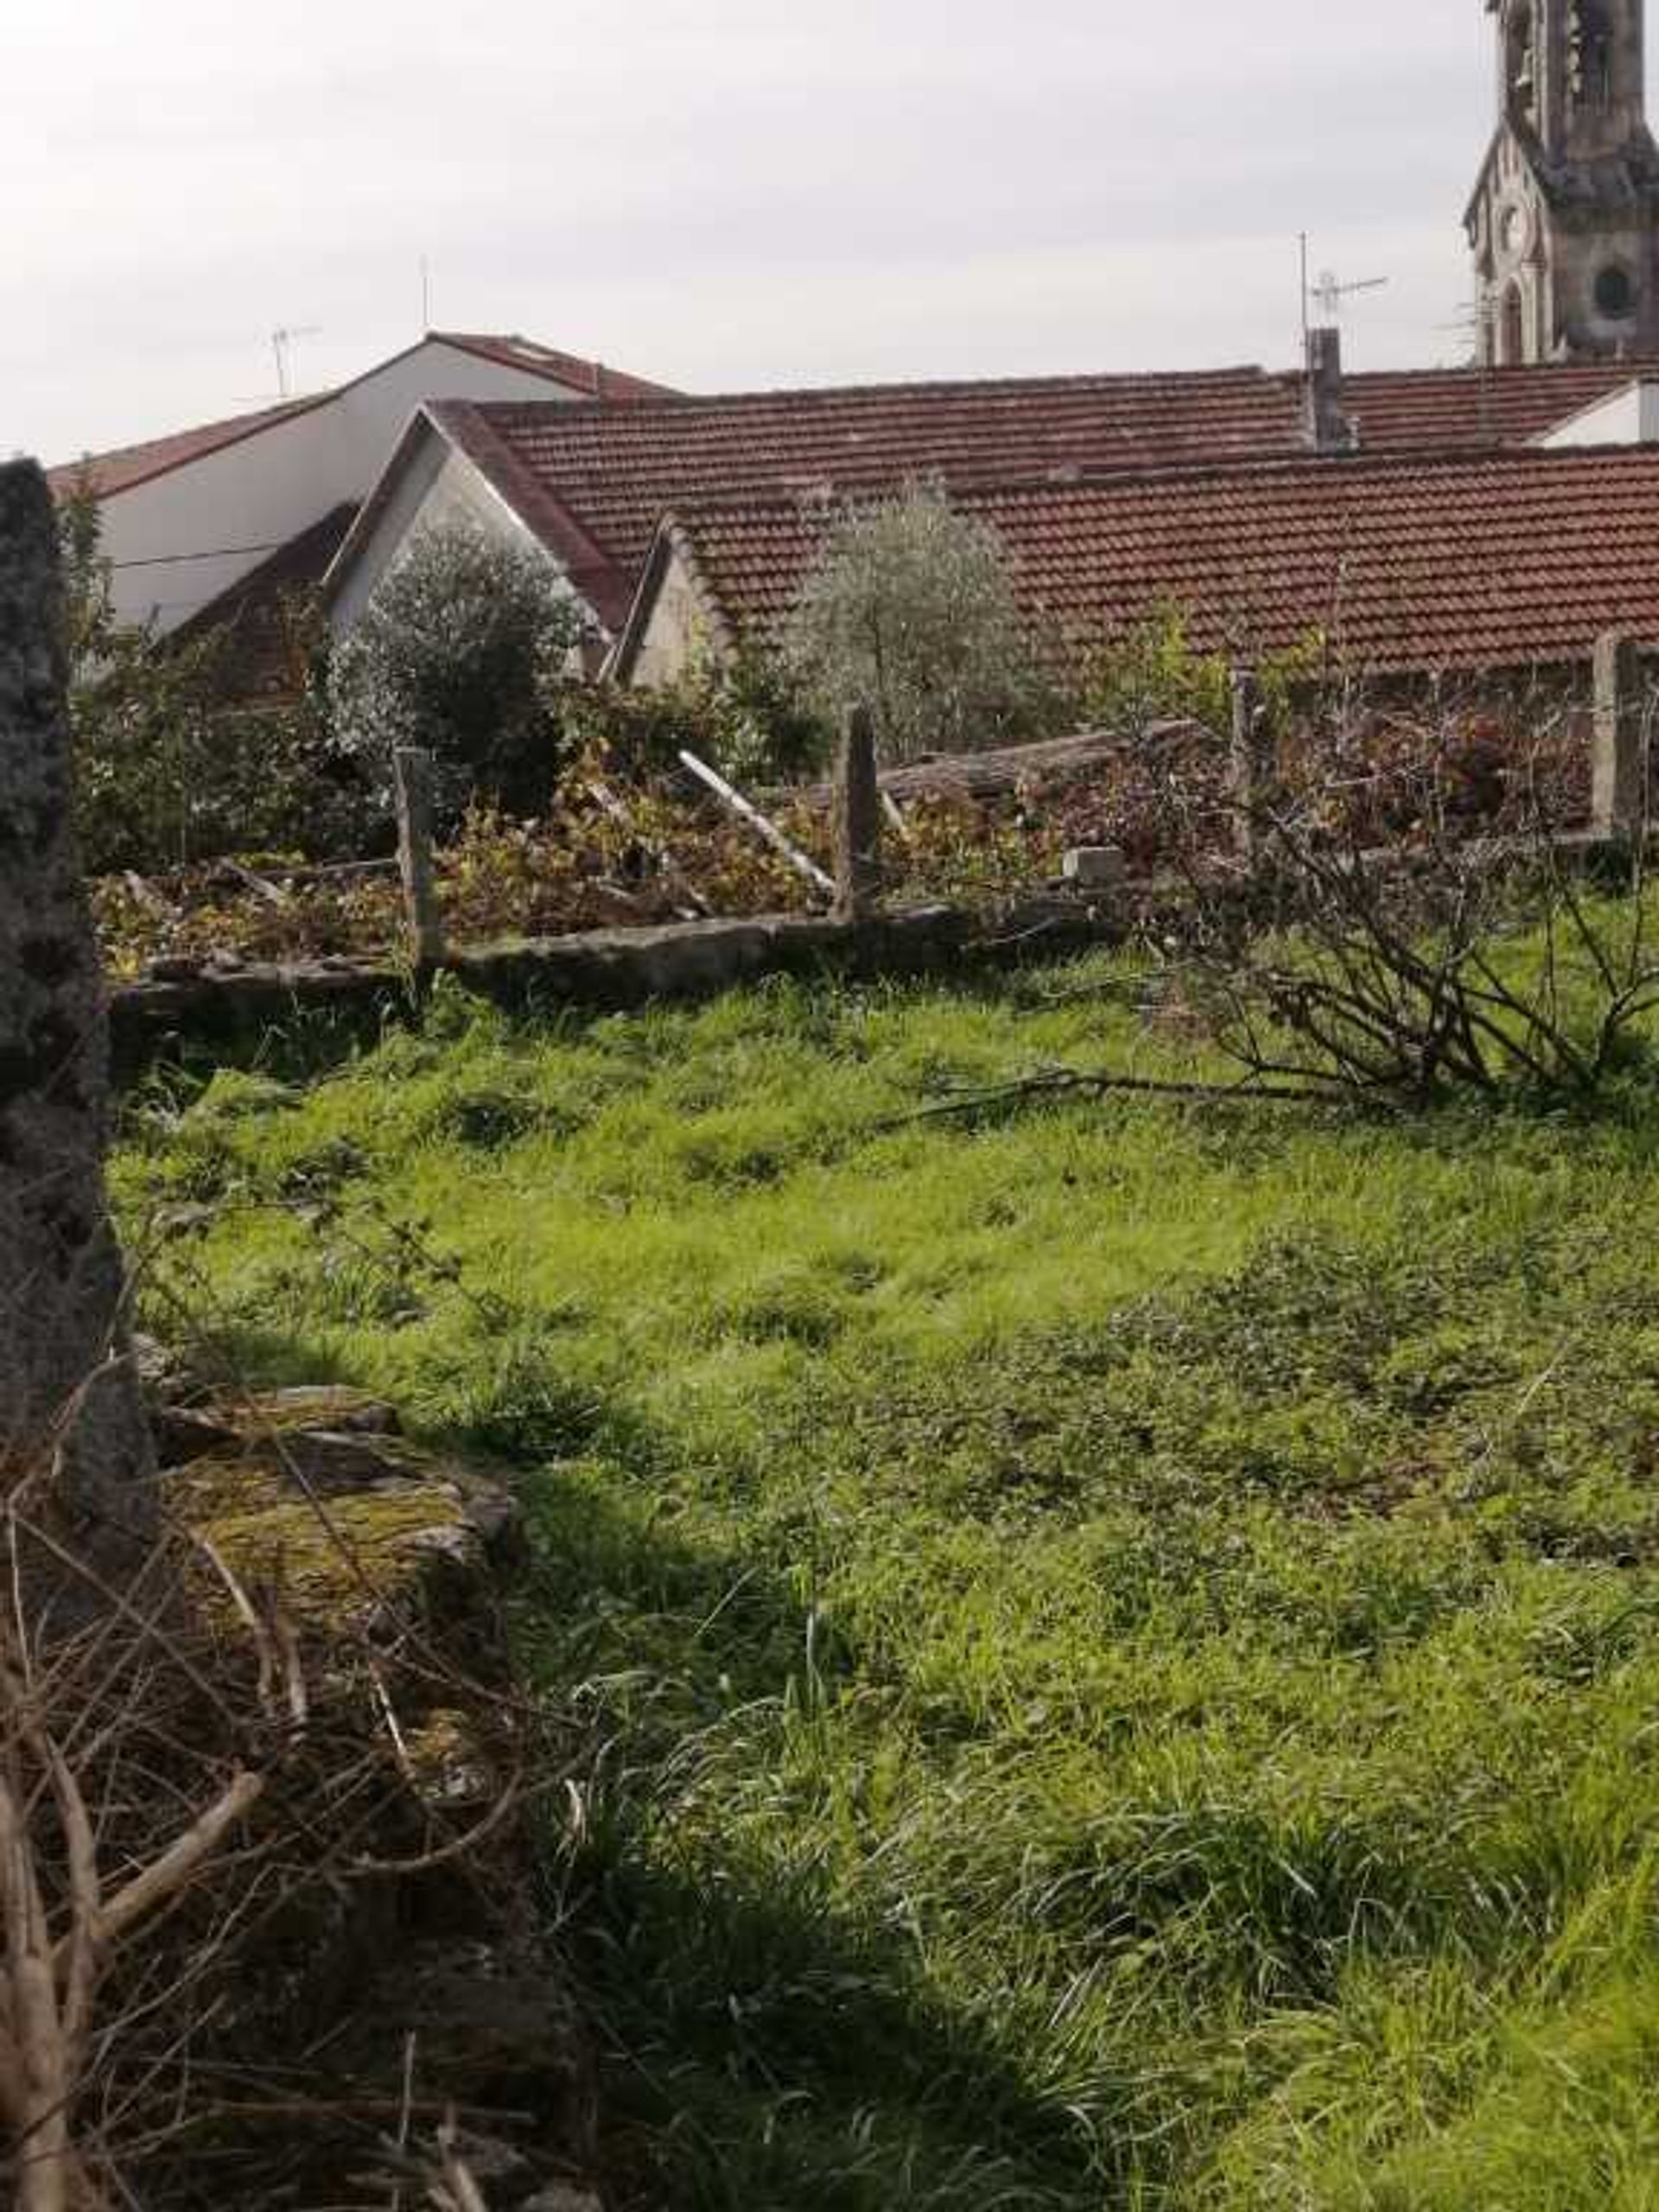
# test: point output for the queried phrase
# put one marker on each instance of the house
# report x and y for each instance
(1627, 416)
(190, 520)
(1409, 566)
(616, 495)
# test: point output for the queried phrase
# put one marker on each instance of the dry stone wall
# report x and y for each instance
(219, 1010)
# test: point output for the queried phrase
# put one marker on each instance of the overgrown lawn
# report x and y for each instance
(1115, 1647)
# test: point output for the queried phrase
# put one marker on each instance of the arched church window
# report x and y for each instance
(1615, 293)
(1591, 55)
(1520, 63)
(1515, 329)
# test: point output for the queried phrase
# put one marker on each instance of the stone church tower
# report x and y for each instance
(1565, 221)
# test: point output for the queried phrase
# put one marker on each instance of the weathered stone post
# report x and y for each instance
(67, 1381)
(1247, 765)
(1619, 776)
(858, 820)
(412, 777)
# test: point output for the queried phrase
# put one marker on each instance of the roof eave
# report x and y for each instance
(587, 564)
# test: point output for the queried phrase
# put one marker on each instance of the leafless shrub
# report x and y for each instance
(1388, 904)
(1408, 909)
(193, 1787)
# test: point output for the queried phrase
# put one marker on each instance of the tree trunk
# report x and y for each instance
(67, 1384)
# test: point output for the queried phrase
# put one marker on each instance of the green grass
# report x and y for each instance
(1115, 1649)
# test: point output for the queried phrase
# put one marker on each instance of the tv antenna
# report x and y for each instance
(1326, 293)
(1472, 320)
(283, 343)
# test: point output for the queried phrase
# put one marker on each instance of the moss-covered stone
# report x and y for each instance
(351, 1524)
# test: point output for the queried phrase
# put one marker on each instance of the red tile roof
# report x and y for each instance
(1431, 411)
(127, 467)
(1409, 566)
(593, 481)
(515, 353)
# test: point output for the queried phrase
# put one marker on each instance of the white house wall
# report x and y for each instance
(437, 487)
(179, 540)
(1629, 416)
(677, 636)
(372, 415)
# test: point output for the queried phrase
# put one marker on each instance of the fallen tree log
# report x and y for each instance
(997, 773)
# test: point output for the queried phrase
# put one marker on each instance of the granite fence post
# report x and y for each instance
(858, 820)
(69, 1390)
(1618, 772)
(412, 779)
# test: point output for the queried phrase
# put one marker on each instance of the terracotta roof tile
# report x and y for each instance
(605, 475)
(1409, 566)
(1429, 411)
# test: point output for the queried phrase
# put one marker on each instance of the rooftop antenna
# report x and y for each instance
(1325, 293)
(1473, 321)
(426, 296)
(1328, 292)
(283, 343)
(1470, 321)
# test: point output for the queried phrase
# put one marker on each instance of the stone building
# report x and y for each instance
(1564, 218)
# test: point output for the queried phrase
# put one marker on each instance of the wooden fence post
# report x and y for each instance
(858, 820)
(412, 778)
(1246, 765)
(1619, 776)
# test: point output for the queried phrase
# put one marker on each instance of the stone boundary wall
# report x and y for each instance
(229, 1011)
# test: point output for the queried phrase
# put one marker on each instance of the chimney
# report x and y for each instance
(1324, 426)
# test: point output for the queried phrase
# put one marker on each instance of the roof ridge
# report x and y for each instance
(1065, 478)
(916, 387)
(556, 363)
(1247, 372)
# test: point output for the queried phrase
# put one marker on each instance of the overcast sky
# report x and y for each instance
(719, 194)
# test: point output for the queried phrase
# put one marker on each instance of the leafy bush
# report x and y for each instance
(747, 719)
(1155, 673)
(165, 790)
(463, 649)
(910, 611)
(169, 770)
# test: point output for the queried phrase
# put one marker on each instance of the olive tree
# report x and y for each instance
(910, 611)
(460, 650)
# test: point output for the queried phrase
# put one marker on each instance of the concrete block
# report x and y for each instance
(1095, 867)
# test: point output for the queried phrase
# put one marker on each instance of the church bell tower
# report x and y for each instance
(1564, 219)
